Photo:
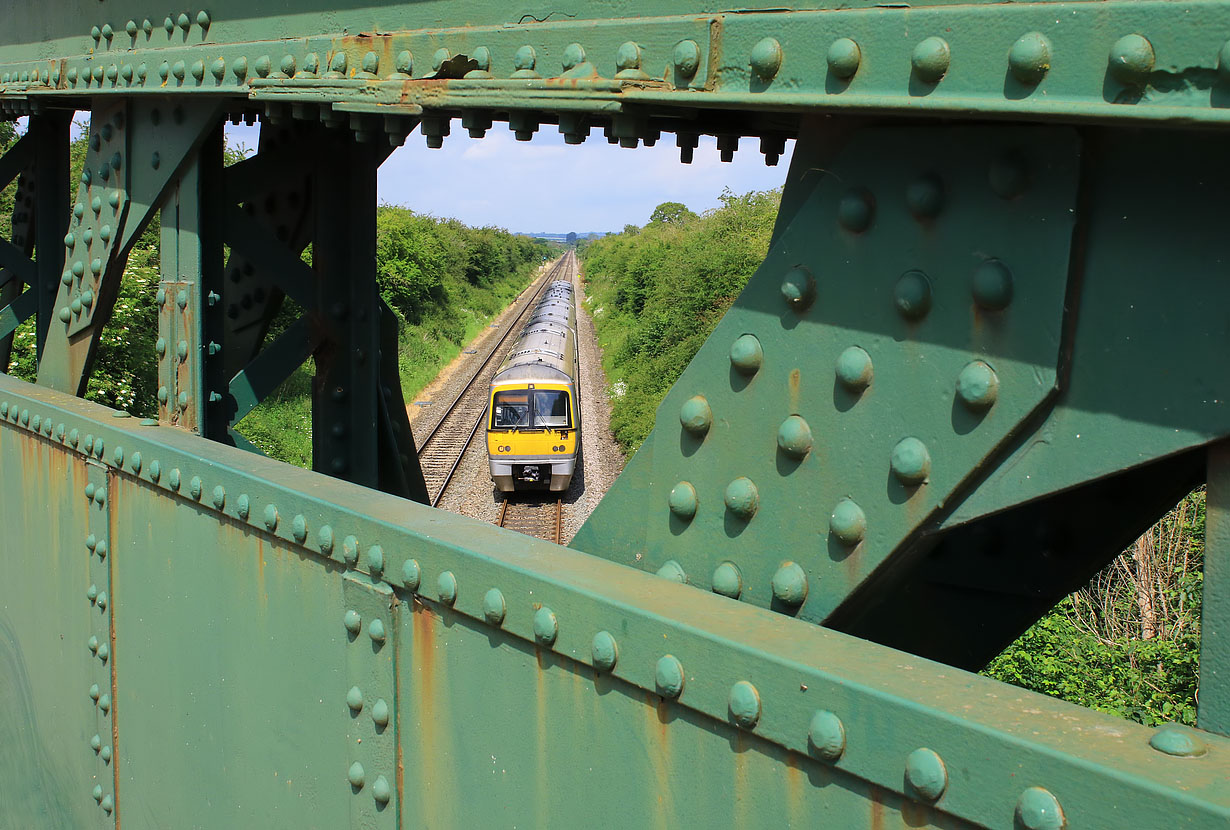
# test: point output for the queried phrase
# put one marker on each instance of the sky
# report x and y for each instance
(547, 186)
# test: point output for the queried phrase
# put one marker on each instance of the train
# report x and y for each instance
(534, 406)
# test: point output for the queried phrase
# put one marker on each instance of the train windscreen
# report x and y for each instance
(530, 409)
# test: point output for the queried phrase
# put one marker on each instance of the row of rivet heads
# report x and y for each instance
(1130, 59)
(337, 65)
(80, 243)
(826, 735)
(99, 647)
(161, 347)
(379, 709)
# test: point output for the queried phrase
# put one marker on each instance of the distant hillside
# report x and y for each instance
(564, 236)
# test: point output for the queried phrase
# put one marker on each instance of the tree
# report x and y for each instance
(671, 213)
(572, 238)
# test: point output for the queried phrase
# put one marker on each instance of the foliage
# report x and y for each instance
(658, 291)
(1129, 642)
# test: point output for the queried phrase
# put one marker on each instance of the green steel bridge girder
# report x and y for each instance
(269, 641)
(674, 69)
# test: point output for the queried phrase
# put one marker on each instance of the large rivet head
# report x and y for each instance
(1131, 60)
(97, 792)
(844, 57)
(446, 588)
(926, 774)
(790, 584)
(1173, 739)
(742, 498)
(546, 626)
(324, 539)
(856, 210)
(381, 791)
(977, 385)
(1037, 809)
(992, 285)
(766, 59)
(375, 557)
(1029, 59)
(96, 743)
(683, 500)
(380, 713)
(930, 59)
(375, 630)
(353, 622)
(350, 551)
(108, 804)
(854, 370)
(727, 580)
(695, 415)
(912, 295)
(668, 676)
(673, 572)
(95, 693)
(848, 522)
(794, 437)
(686, 58)
(746, 355)
(744, 704)
(355, 775)
(605, 651)
(798, 288)
(925, 196)
(910, 462)
(354, 699)
(494, 607)
(411, 574)
(826, 736)
(104, 703)
(271, 517)
(574, 55)
(194, 488)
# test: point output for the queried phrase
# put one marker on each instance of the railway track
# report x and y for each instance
(543, 519)
(441, 451)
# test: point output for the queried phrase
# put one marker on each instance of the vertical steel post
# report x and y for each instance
(1213, 712)
(50, 133)
(344, 402)
(190, 359)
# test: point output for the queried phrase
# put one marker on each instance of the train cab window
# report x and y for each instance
(550, 409)
(511, 408)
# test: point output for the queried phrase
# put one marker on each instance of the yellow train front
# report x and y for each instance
(534, 414)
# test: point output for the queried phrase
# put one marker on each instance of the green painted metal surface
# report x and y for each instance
(981, 355)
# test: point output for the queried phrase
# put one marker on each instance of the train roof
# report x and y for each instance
(528, 372)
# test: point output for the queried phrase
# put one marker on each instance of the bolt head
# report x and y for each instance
(912, 295)
(848, 522)
(604, 651)
(794, 437)
(790, 584)
(931, 59)
(546, 626)
(1131, 60)
(926, 774)
(494, 607)
(695, 415)
(992, 285)
(744, 704)
(683, 501)
(766, 59)
(742, 498)
(826, 736)
(911, 462)
(668, 676)
(798, 288)
(844, 57)
(977, 385)
(1038, 809)
(727, 580)
(746, 355)
(1029, 59)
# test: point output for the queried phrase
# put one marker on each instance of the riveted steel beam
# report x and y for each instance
(930, 741)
